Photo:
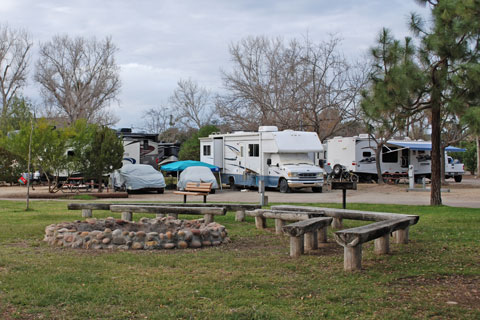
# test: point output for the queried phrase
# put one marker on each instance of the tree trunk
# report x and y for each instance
(436, 185)
(100, 185)
(50, 189)
(378, 162)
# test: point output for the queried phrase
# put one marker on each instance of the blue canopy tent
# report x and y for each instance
(421, 145)
(178, 166)
(182, 165)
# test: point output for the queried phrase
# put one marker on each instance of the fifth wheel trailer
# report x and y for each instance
(283, 159)
(357, 154)
(144, 148)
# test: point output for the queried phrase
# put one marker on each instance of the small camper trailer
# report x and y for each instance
(357, 154)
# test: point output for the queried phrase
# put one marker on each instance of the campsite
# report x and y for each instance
(239, 159)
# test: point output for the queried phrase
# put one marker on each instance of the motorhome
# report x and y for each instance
(144, 148)
(357, 154)
(282, 159)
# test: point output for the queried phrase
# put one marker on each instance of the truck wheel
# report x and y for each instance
(317, 189)
(231, 183)
(458, 178)
(284, 188)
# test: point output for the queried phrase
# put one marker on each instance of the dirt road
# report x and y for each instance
(464, 194)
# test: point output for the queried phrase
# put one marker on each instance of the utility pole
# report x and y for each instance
(29, 161)
(478, 156)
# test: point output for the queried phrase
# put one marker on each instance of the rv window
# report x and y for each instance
(241, 151)
(145, 145)
(367, 154)
(206, 150)
(253, 150)
(389, 155)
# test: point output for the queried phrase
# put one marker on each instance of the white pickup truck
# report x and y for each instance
(454, 169)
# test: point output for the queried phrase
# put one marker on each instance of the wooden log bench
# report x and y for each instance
(128, 210)
(400, 236)
(305, 235)
(196, 189)
(352, 239)
(87, 208)
(281, 217)
(240, 208)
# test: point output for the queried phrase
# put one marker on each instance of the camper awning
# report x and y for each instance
(182, 165)
(421, 145)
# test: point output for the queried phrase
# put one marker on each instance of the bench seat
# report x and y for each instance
(196, 189)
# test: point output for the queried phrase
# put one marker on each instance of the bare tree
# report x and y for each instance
(15, 47)
(158, 119)
(192, 104)
(79, 77)
(331, 87)
(264, 86)
(298, 85)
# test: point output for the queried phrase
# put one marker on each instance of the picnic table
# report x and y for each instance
(76, 184)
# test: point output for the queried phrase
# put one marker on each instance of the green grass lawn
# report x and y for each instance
(437, 275)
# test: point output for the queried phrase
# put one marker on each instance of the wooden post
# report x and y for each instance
(382, 244)
(352, 258)
(240, 215)
(337, 223)
(310, 241)
(296, 246)
(322, 235)
(86, 213)
(127, 216)
(208, 218)
(260, 222)
(160, 215)
(175, 215)
(279, 223)
(401, 236)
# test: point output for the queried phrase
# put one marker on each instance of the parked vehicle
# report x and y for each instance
(357, 155)
(134, 177)
(454, 169)
(283, 159)
(196, 174)
(144, 148)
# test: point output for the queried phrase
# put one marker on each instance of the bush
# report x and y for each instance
(190, 149)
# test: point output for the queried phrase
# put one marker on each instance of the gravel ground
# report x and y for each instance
(464, 194)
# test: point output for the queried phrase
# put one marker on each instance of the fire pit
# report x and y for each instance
(149, 234)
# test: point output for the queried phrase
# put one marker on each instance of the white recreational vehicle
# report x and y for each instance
(357, 154)
(284, 159)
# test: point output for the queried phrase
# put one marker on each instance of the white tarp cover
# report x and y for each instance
(196, 174)
(138, 176)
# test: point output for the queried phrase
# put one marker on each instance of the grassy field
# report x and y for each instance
(437, 275)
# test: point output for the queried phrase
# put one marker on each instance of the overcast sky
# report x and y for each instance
(162, 41)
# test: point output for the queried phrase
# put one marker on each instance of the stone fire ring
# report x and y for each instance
(148, 234)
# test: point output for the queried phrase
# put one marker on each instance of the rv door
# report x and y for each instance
(218, 152)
